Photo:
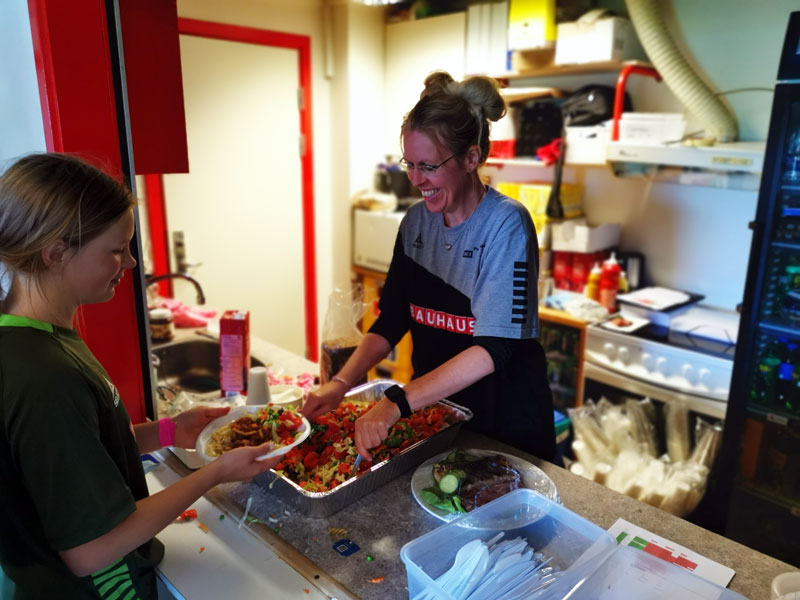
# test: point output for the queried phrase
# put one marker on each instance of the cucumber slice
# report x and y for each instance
(451, 481)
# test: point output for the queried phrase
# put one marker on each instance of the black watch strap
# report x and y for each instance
(398, 395)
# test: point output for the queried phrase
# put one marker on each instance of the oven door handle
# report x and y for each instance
(705, 406)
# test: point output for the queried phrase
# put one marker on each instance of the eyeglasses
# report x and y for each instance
(423, 168)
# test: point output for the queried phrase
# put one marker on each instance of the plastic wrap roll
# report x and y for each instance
(601, 471)
(584, 455)
(675, 499)
(709, 438)
(677, 426)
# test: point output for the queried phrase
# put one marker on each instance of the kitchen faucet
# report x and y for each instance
(151, 279)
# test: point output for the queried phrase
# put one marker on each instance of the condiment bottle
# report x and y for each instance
(592, 289)
(609, 283)
(623, 282)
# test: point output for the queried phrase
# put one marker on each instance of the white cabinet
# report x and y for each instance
(413, 50)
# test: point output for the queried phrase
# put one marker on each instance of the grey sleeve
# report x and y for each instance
(505, 297)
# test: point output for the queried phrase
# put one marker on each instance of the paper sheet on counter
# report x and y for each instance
(632, 535)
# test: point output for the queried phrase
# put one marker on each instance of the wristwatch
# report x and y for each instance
(398, 395)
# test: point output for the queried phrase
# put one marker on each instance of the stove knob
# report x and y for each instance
(647, 361)
(661, 365)
(689, 373)
(704, 376)
(624, 355)
(609, 349)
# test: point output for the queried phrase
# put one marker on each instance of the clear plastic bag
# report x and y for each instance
(340, 332)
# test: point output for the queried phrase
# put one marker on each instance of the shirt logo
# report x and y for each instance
(441, 320)
(467, 254)
(114, 392)
(418, 242)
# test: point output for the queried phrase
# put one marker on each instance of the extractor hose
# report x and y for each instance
(717, 120)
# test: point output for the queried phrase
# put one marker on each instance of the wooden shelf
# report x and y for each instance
(609, 66)
(561, 317)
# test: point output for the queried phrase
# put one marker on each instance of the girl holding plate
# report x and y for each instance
(76, 520)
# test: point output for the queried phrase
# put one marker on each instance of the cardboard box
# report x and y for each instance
(604, 39)
(234, 352)
(576, 235)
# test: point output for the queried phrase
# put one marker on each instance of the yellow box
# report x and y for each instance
(531, 24)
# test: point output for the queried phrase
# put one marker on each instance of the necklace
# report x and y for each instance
(448, 243)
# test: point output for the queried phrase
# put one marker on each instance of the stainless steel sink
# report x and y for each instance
(190, 366)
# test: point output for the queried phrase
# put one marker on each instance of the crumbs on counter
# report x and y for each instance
(376, 579)
(337, 532)
(202, 549)
(307, 591)
(369, 558)
(222, 517)
(203, 527)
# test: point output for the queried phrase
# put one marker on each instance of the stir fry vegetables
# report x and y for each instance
(278, 425)
(325, 459)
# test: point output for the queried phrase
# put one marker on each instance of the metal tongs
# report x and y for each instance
(354, 470)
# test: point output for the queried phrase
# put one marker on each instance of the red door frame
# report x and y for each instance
(80, 103)
(264, 37)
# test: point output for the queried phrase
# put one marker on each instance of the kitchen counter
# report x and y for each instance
(382, 522)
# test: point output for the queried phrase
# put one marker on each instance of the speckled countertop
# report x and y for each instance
(384, 520)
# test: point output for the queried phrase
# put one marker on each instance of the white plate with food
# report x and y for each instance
(253, 426)
(479, 475)
(624, 324)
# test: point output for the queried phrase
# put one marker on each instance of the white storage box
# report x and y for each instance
(374, 233)
(575, 235)
(592, 39)
(651, 128)
(587, 145)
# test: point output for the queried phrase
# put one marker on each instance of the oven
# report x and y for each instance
(689, 359)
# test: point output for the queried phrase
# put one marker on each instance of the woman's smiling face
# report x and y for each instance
(445, 191)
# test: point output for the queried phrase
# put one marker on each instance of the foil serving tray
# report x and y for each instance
(324, 504)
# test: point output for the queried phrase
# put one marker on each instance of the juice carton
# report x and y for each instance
(234, 352)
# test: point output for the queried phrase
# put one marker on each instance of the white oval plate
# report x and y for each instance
(532, 477)
(236, 413)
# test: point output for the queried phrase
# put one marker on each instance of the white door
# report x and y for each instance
(240, 206)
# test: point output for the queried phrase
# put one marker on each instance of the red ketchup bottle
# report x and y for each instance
(609, 283)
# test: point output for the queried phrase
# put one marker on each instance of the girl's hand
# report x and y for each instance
(240, 464)
(324, 399)
(190, 423)
(373, 427)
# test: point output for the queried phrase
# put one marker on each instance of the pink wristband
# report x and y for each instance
(166, 431)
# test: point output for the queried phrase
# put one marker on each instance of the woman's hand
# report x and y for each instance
(240, 464)
(324, 399)
(373, 427)
(190, 423)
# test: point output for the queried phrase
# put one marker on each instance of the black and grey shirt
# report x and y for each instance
(475, 284)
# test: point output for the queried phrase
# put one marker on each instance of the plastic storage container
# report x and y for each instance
(590, 564)
(577, 546)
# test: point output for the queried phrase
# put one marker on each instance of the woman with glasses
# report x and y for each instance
(463, 280)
